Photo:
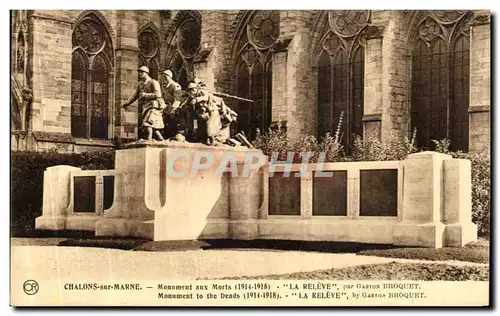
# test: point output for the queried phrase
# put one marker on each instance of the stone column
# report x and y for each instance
(372, 109)
(203, 67)
(212, 63)
(301, 107)
(297, 101)
(127, 60)
(56, 197)
(394, 76)
(278, 103)
(422, 201)
(480, 83)
(457, 213)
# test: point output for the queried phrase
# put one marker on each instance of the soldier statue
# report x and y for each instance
(213, 114)
(174, 116)
(151, 104)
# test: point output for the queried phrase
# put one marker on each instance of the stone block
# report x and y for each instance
(423, 201)
(82, 222)
(56, 197)
(159, 202)
(50, 222)
(460, 234)
(371, 231)
(422, 186)
(457, 213)
(408, 233)
(244, 230)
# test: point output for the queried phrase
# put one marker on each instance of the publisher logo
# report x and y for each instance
(30, 287)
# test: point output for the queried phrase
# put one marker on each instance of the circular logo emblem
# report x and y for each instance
(30, 287)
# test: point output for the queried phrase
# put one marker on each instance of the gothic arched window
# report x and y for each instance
(79, 69)
(91, 77)
(184, 43)
(440, 80)
(340, 75)
(149, 52)
(178, 67)
(254, 72)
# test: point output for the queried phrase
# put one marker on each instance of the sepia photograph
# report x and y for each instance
(264, 157)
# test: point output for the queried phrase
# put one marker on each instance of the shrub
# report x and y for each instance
(372, 149)
(480, 166)
(332, 145)
(27, 181)
(277, 141)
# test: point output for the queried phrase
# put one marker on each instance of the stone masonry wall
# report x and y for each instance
(394, 75)
(294, 80)
(373, 77)
(318, 26)
(51, 72)
(480, 81)
(298, 106)
(148, 16)
(127, 52)
(216, 37)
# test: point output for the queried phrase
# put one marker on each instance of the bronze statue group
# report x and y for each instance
(166, 112)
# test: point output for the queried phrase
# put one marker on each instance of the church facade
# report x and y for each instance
(377, 71)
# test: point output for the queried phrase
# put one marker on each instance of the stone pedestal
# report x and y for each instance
(457, 213)
(420, 223)
(165, 191)
(137, 183)
(56, 197)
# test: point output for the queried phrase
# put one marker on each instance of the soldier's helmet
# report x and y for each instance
(168, 73)
(199, 82)
(144, 69)
(192, 85)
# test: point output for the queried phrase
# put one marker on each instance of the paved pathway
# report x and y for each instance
(86, 263)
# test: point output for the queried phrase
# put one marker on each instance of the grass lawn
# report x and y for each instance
(472, 252)
(388, 271)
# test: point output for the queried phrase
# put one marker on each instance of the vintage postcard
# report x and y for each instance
(250, 157)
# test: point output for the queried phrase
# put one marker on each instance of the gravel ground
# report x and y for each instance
(473, 252)
(389, 271)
